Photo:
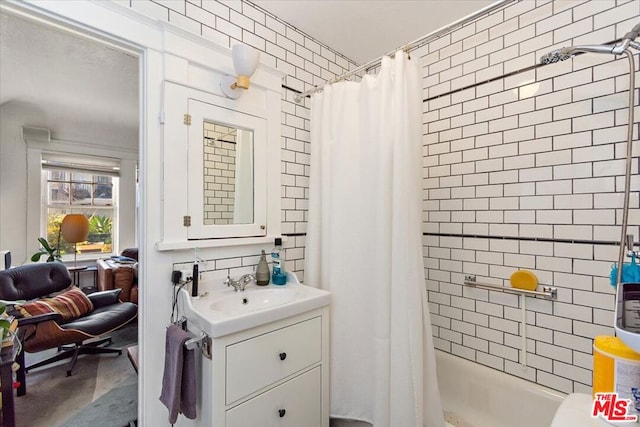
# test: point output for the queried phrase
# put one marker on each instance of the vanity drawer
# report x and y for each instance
(265, 359)
(296, 403)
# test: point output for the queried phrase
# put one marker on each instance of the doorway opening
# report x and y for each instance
(84, 88)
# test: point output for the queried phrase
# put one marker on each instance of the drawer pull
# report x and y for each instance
(283, 356)
(281, 412)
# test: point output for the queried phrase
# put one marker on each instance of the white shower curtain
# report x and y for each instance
(364, 244)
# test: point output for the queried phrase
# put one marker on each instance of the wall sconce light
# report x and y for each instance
(245, 62)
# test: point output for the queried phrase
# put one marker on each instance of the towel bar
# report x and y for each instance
(203, 341)
(181, 322)
(548, 292)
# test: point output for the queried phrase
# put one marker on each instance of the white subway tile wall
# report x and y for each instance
(537, 184)
(219, 173)
(522, 169)
(305, 63)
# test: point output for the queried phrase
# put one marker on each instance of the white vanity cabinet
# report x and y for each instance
(294, 403)
(272, 375)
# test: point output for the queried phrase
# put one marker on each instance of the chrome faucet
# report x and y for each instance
(241, 283)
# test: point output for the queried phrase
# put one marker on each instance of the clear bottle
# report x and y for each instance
(262, 271)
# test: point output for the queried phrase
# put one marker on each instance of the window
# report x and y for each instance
(89, 189)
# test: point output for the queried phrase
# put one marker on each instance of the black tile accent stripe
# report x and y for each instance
(513, 73)
(291, 89)
(527, 239)
(216, 139)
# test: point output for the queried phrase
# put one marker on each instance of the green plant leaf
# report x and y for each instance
(45, 244)
(52, 252)
(4, 326)
(100, 224)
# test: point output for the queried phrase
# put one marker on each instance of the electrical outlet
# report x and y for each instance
(187, 275)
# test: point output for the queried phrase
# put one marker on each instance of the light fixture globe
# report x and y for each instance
(75, 228)
(245, 62)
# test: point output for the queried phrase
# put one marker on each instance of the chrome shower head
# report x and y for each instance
(614, 49)
(567, 52)
(558, 55)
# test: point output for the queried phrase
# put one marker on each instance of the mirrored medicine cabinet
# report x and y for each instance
(221, 168)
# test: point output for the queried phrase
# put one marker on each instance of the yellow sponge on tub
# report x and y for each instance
(524, 279)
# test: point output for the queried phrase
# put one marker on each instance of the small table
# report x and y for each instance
(77, 271)
(7, 357)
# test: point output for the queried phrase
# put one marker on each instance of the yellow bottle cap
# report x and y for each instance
(615, 347)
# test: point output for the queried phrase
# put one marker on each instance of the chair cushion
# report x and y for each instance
(131, 253)
(33, 281)
(103, 320)
(70, 305)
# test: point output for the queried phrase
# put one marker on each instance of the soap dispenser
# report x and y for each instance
(278, 276)
(262, 271)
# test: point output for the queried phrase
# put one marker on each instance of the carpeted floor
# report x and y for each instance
(121, 403)
(102, 389)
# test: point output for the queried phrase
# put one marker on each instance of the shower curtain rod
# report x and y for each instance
(411, 46)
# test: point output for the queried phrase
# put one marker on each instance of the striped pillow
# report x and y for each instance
(70, 304)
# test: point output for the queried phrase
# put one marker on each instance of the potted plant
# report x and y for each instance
(52, 252)
(5, 321)
(100, 229)
(5, 324)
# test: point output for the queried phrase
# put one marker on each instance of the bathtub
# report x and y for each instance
(476, 396)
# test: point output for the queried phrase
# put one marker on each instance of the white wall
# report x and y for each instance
(483, 213)
(512, 180)
(13, 185)
(525, 171)
(305, 62)
(20, 201)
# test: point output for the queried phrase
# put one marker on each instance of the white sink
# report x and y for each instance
(222, 311)
(252, 300)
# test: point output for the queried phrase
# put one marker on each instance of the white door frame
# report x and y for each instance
(119, 26)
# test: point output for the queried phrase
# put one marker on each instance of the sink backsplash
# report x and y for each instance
(216, 269)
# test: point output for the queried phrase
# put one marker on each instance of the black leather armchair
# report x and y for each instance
(45, 331)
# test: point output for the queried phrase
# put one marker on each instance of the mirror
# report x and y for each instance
(227, 193)
(229, 156)
(228, 174)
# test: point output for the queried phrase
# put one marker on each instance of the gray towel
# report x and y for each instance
(179, 379)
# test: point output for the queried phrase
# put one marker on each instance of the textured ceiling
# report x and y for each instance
(67, 79)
